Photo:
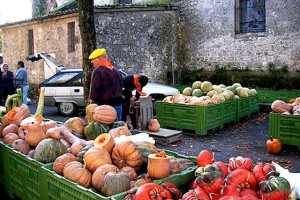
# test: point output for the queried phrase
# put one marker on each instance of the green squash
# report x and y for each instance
(48, 150)
(81, 154)
(146, 148)
(94, 129)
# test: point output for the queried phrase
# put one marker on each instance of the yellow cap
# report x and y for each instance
(97, 53)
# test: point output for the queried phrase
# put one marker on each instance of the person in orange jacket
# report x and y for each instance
(132, 82)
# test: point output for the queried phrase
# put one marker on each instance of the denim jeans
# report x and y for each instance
(118, 108)
(24, 94)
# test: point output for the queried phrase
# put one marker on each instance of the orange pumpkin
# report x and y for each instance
(153, 125)
(61, 161)
(158, 165)
(117, 132)
(21, 145)
(89, 110)
(105, 140)
(131, 173)
(104, 114)
(95, 157)
(76, 172)
(98, 175)
(10, 138)
(76, 148)
(5, 121)
(12, 128)
(279, 106)
(273, 145)
(47, 125)
(126, 154)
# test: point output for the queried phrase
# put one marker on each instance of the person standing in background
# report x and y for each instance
(21, 80)
(106, 82)
(7, 82)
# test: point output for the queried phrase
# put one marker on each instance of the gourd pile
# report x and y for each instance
(239, 180)
(290, 108)
(204, 93)
(97, 151)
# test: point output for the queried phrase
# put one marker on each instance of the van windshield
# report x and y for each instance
(62, 78)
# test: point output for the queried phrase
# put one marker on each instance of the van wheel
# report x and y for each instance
(66, 108)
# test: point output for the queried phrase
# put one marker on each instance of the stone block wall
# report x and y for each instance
(138, 40)
(209, 39)
(50, 35)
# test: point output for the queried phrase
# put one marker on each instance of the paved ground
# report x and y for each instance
(246, 138)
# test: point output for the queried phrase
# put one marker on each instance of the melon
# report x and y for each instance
(48, 150)
(254, 92)
(197, 85)
(236, 97)
(235, 85)
(247, 90)
(187, 91)
(226, 95)
(230, 92)
(206, 86)
(230, 88)
(218, 89)
(240, 91)
(222, 86)
(197, 93)
(211, 93)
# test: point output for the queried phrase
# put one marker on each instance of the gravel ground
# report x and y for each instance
(246, 138)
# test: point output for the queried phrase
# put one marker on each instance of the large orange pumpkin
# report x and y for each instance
(105, 140)
(61, 161)
(104, 114)
(95, 157)
(126, 154)
(98, 175)
(117, 132)
(76, 172)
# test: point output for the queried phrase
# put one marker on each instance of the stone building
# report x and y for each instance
(155, 40)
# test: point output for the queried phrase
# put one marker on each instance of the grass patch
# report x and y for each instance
(268, 96)
(265, 95)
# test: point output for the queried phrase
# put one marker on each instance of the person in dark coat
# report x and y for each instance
(106, 82)
(8, 86)
(132, 82)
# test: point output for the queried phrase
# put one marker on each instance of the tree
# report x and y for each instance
(88, 40)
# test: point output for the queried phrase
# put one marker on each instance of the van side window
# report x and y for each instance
(77, 82)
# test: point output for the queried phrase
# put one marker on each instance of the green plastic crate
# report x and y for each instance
(286, 128)
(243, 108)
(190, 117)
(229, 111)
(182, 180)
(24, 176)
(254, 106)
(59, 188)
(1, 163)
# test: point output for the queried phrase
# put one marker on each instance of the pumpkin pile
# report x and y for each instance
(240, 180)
(290, 108)
(205, 93)
(86, 151)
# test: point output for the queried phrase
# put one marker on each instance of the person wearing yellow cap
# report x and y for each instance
(106, 82)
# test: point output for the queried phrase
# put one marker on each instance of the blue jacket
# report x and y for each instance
(21, 77)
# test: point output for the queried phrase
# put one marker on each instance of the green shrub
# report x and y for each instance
(33, 89)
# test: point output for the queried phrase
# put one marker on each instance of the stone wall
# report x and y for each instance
(208, 32)
(138, 40)
(50, 35)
